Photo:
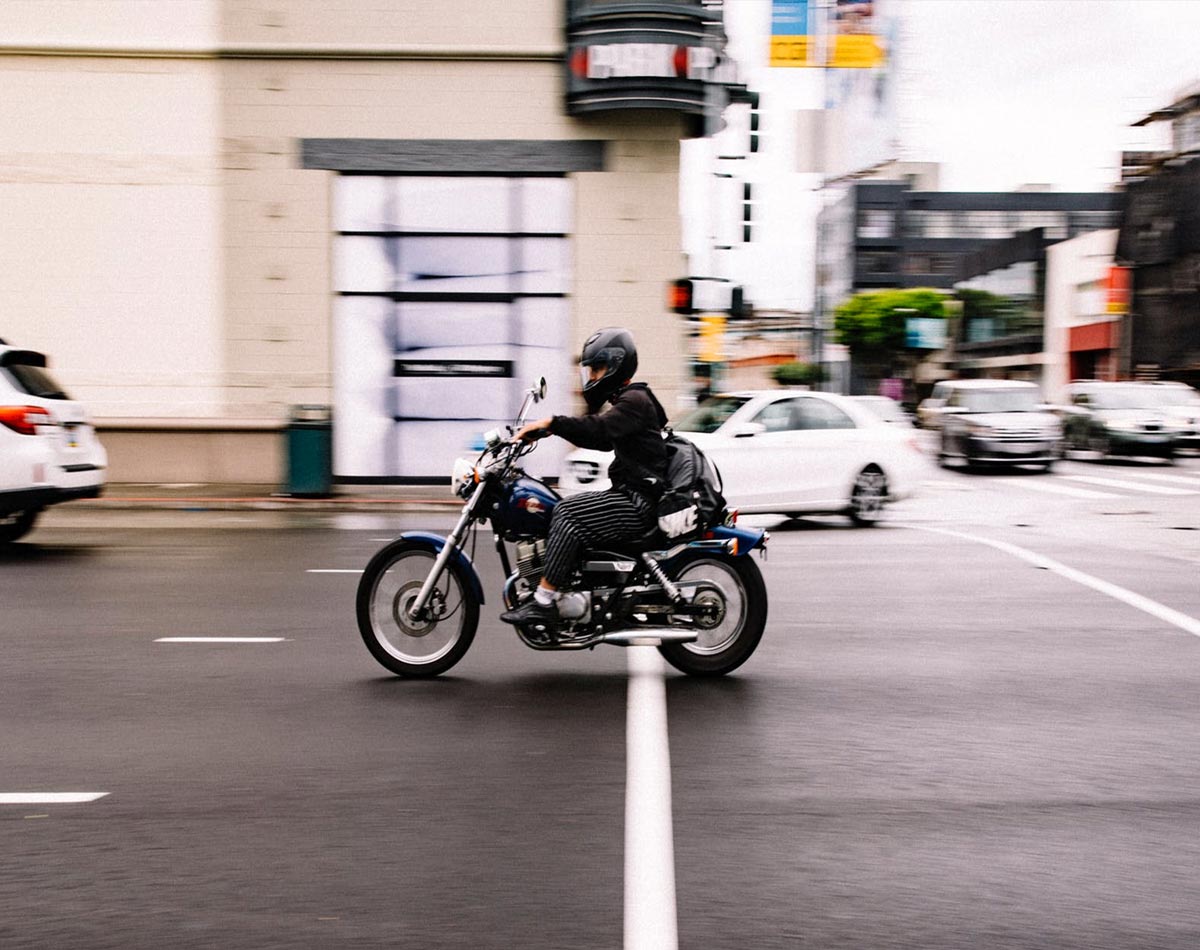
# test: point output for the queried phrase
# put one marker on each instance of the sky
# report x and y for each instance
(1009, 92)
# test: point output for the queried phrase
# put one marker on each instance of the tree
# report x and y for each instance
(872, 323)
(797, 374)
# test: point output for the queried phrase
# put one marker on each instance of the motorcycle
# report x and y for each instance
(702, 602)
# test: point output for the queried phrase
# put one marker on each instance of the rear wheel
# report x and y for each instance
(16, 524)
(432, 643)
(868, 496)
(732, 624)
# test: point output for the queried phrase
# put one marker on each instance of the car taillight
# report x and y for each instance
(25, 419)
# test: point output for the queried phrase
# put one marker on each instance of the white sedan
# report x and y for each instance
(791, 452)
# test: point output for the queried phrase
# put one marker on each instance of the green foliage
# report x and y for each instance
(798, 374)
(873, 322)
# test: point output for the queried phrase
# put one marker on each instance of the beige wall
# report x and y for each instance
(163, 245)
(109, 248)
(277, 216)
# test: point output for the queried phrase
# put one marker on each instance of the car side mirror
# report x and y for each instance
(747, 430)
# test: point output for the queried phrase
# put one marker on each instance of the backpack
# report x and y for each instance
(691, 501)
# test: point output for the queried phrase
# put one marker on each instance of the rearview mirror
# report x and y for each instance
(539, 389)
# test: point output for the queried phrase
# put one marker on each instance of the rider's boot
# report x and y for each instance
(536, 616)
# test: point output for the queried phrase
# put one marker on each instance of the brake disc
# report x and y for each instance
(405, 597)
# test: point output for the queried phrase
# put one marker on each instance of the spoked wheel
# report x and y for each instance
(731, 616)
(868, 497)
(16, 524)
(435, 640)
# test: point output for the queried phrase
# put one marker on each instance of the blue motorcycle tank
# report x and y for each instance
(527, 507)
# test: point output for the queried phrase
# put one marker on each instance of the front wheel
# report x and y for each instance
(435, 641)
(16, 524)
(730, 629)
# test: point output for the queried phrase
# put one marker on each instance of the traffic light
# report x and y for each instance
(754, 118)
(747, 211)
(681, 296)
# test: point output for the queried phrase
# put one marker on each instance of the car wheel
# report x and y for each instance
(868, 496)
(17, 524)
(1100, 443)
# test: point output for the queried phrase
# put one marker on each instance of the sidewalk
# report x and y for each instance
(235, 497)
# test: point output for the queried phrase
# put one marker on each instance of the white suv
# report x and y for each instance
(49, 452)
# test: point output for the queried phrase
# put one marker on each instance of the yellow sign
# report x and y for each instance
(858, 51)
(793, 51)
(712, 338)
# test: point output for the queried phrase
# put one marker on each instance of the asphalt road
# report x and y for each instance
(938, 745)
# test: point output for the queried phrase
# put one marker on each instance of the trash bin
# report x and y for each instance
(309, 452)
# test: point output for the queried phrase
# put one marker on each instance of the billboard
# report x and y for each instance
(840, 34)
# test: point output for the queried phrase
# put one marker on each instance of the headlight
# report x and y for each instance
(464, 477)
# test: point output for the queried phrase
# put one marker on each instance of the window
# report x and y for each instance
(876, 223)
(468, 275)
(777, 417)
(819, 414)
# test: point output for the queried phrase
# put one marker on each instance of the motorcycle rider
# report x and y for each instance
(631, 426)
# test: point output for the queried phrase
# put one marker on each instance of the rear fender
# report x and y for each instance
(435, 543)
(747, 540)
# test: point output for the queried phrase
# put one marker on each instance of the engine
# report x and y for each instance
(531, 558)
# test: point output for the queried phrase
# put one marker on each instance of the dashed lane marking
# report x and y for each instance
(220, 640)
(49, 798)
(1145, 604)
(1133, 486)
(1054, 489)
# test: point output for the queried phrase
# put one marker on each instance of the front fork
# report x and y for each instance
(453, 540)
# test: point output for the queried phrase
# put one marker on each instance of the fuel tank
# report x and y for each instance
(525, 508)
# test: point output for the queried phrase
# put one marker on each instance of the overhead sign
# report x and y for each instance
(1116, 290)
(646, 56)
(842, 34)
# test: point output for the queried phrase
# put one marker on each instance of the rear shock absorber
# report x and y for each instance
(661, 576)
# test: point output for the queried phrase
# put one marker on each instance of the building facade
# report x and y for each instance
(221, 209)
(1160, 242)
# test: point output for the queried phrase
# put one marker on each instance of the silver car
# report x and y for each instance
(999, 422)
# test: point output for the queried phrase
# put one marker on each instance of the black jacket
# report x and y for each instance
(632, 427)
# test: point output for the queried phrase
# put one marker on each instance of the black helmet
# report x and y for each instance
(614, 349)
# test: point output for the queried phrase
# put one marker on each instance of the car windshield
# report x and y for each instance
(1124, 397)
(710, 415)
(1170, 396)
(1002, 400)
(34, 381)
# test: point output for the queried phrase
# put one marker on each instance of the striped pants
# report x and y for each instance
(592, 520)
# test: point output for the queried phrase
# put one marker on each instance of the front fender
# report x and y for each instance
(435, 543)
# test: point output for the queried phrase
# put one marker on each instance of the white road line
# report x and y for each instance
(1145, 604)
(49, 798)
(220, 640)
(1055, 489)
(1193, 480)
(328, 570)
(650, 915)
(1135, 486)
